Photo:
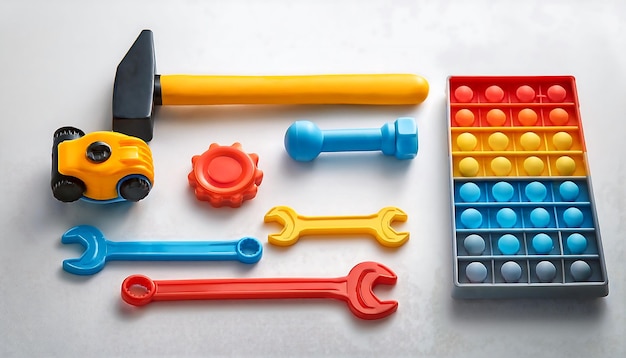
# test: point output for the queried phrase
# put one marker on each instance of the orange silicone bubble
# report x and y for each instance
(496, 117)
(527, 117)
(559, 116)
(464, 118)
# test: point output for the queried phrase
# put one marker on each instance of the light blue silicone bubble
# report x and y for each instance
(502, 191)
(469, 192)
(546, 271)
(474, 244)
(508, 244)
(542, 243)
(569, 191)
(471, 218)
(506, 217)
(573, 217)
(580, 270)
(539, 217)
(511, 271)
(476, 272)
(535, 191)
(576, 243)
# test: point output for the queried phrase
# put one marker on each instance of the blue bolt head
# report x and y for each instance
(303, 141)
(406, 138)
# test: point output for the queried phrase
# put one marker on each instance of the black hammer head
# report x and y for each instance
(136, 89)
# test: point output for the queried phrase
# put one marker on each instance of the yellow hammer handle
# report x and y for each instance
(376, 89)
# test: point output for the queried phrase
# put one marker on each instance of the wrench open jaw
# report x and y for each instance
(93, 258)
(360, 288)
(386, 234)
(285, 216)
(377, 225)
(356, 289)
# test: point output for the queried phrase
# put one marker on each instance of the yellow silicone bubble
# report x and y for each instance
(498, 141)
(565, 165)
(466, 141)
(530, 141)
(562, 141)
(501, 166)
(533, 166)
(468, 167)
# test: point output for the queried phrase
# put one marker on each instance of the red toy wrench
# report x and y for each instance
(356, 289)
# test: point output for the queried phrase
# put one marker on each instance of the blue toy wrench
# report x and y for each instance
(99, 250)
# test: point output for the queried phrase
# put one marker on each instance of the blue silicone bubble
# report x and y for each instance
(469, 192)
(569, 191)
(576, 243)
(506, 217)
(546, 271)
(539, 217)
(573, 217)
(511, 271)
(502, 191)
(476, 272)
(471, 218)
(508, 244)
(542, 243)
(474, 244)
(580, 270)
(535, 191)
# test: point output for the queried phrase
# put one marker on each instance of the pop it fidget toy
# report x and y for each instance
(524, 216)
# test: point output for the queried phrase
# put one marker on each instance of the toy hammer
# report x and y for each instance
(137, 89)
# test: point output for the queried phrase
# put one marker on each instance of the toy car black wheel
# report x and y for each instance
(134, 189)
(67, 133)
(68, 189)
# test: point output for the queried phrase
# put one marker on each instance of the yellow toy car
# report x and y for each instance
(100, 167)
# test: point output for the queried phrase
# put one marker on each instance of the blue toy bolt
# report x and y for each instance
(304, 141)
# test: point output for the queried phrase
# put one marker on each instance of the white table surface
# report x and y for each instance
(58, 60)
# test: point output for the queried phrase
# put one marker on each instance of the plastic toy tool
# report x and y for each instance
(137, 89)
(356, 289)
(524, 217)
(378, 225)
(99, 250)
(225, 175)
(100, 167)
(304, 141)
